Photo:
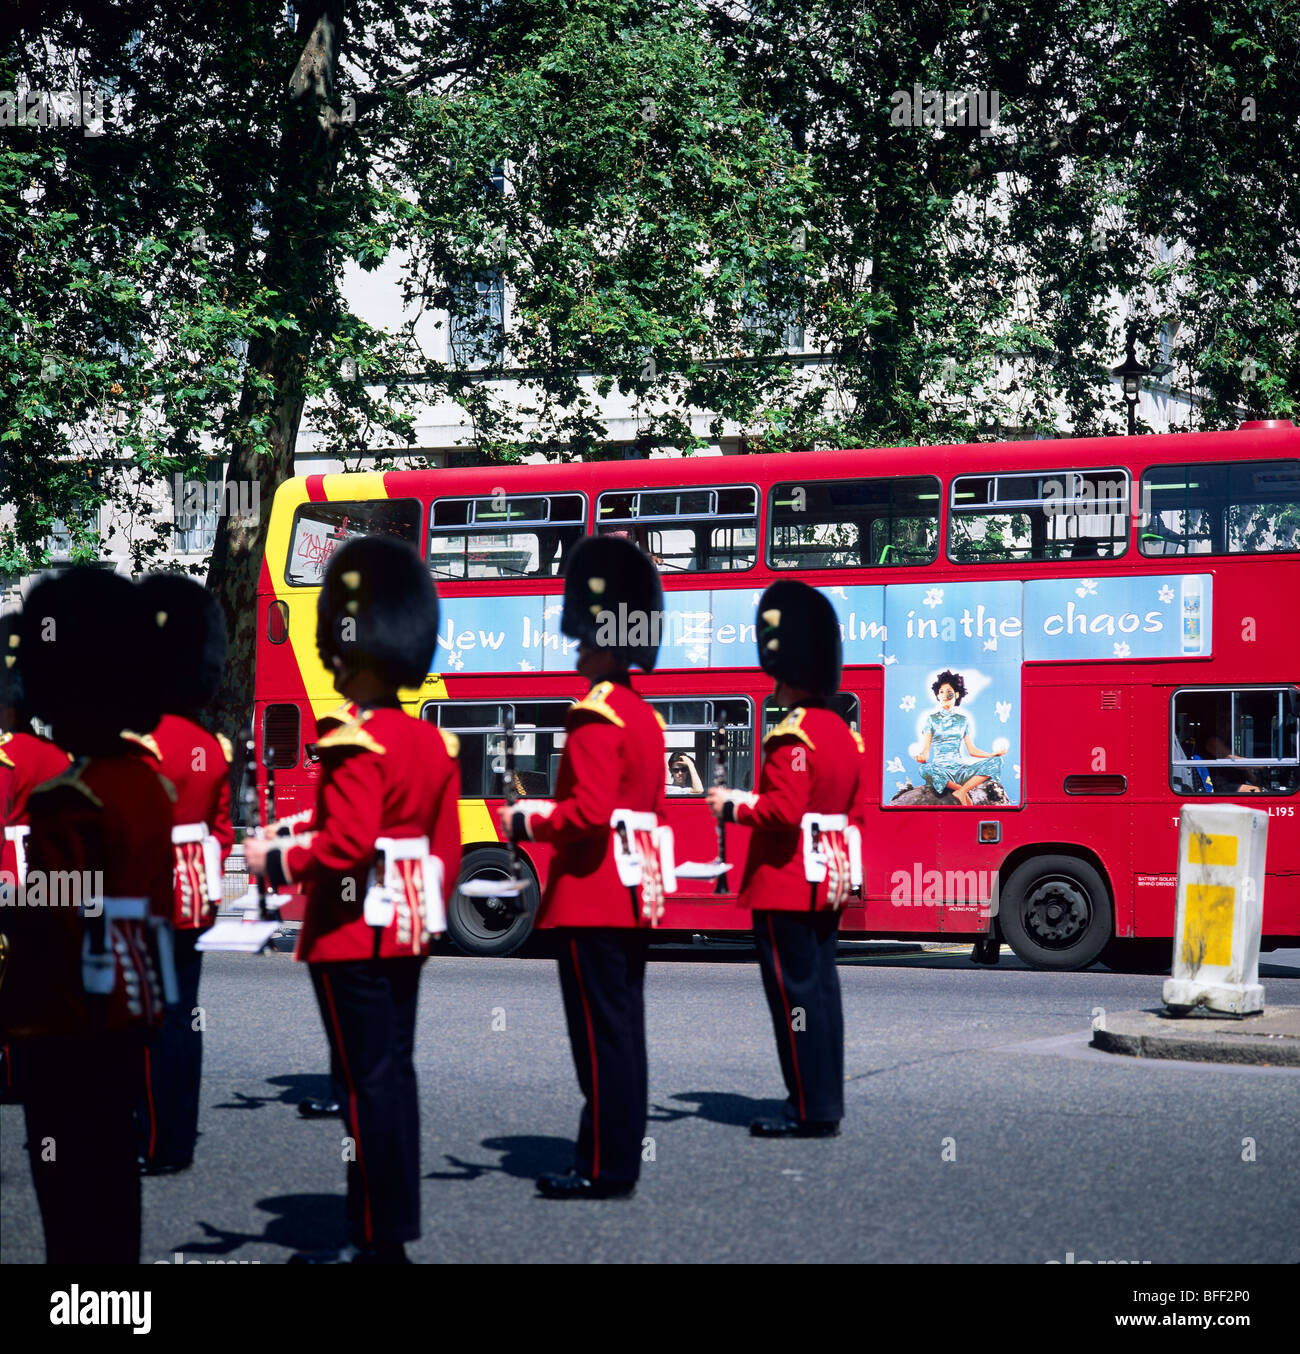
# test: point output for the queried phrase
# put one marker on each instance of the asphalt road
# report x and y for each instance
(1058, 1149)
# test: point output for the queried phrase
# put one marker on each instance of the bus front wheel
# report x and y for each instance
(1055, 912)
(490, 926)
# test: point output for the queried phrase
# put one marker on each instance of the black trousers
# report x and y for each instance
(602, 980)
(368, 1008)
(79, 1094)
(796, 954)
(169, 1108)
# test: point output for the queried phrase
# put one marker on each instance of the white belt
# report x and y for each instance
(627, 851)
(18, 835)
(186, 833)
(814, 854)
(99, 967)
(380, 905)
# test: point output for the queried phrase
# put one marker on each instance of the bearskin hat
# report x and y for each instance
(613, 599)
(11, 677)
(378, 609)
(190, 630)
(799, 638)
(86, 657)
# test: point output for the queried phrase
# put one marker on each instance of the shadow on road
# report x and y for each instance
(717, 1107)
(295, 1087)
(524, 1157)
(298, 1222)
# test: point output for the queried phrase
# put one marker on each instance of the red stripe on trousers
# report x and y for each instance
(785, 1001)
(153, 1113)
(352, 1100)
(595, 1076)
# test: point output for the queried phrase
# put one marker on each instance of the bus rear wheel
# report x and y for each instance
(1055, 912)
(490, 926)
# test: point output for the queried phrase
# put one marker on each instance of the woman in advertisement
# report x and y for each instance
(947, 731)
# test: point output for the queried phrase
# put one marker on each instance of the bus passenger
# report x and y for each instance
(613, 762)
(812, 781)
(390, 778)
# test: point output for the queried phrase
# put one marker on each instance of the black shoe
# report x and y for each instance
(319, 1109)
(794, 1128)
(352, 1255)
(987, 950)
(162, 1167)
(571, 1185)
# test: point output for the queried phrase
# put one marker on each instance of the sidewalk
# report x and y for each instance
(1270, 1039)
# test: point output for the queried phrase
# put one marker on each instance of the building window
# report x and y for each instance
(478, 322)
(196, 505)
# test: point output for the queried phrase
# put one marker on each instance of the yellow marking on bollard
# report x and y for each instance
(1210, 848)
(1207, 932)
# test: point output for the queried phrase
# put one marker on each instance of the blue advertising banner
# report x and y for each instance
(1152, 616)
(1116, 618)
(952, 694)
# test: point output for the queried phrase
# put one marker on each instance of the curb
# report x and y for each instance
(1270, 1039)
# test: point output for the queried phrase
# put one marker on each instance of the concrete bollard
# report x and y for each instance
(1221, 850)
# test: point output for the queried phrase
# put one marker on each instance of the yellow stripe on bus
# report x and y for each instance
(477, 823)
(1207, 927)
(301, 602)
(1209, 848)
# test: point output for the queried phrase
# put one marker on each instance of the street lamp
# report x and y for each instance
(1130, 373)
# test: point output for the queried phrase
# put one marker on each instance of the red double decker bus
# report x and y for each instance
(1115, 616)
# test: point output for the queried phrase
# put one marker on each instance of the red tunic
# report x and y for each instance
(197, 764)
(25, 762)
(386, 774)
(613, 759)
(108, 821)
(812, 763)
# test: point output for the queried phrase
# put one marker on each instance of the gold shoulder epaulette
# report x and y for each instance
(663, 723)
(71, 779)
(227, 750)
(451, 742)
(169, 787)
(5, 759)
(352, 735)
(791, 727)
(857, 738)
(596, 702)
(340, 714)
(144, 740)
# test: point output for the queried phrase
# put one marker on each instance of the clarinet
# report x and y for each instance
(256, 817)
(514, 901)
(720, 780)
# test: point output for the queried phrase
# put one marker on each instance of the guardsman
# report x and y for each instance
(26, 760)
(190, 653)
(88, 971)
(385, 841)
(331, 1106)
(804, 855)
(613, 765)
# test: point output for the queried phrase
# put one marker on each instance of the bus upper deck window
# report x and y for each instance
(320, 528)
(841, 524)
(686, 530)
(505, 535)
(1046, 515)
(1250, 508)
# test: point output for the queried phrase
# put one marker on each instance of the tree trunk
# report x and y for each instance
(297, 263)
